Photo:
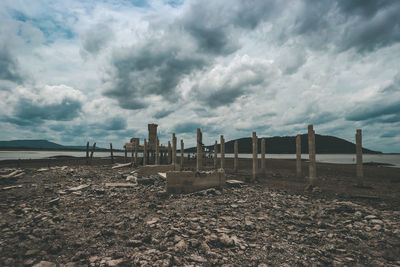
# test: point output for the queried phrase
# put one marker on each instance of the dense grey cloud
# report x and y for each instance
(154, 67)
(115, 123)
(96, 38)
(66, 110)
(162, 113)
(9, 67)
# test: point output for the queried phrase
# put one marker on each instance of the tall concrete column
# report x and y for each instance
(235, 161)
(157, 151)
(311, 155)
(359, 156)
(174, 150)
(263, 155)
(222, 152)
(298, 156)
(145, 152)
(169, 152)
(182, 151)
(199, 155)
(215, 154)
(255, 160)
(136, 145)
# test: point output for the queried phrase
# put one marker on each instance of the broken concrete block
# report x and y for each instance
(153, 169)
(188, 181)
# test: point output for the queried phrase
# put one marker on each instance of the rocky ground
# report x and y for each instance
(79, 216)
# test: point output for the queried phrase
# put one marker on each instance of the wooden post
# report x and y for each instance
(255, 154)
(182, 156)
(222, 152)
(93, 149)
(145, 153)
(298, 156)
(199, 155)
(125, 155)
(215, 154)
(311, 152)
(157, 151)
(263, 155)
(174, 150)
(235, 161)
(112, 155)
(359, 156)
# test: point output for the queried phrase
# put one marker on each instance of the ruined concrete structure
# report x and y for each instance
(152, 150)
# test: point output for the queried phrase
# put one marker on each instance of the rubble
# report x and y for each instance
(90, 216)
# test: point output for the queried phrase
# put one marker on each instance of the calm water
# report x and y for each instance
(328, 158)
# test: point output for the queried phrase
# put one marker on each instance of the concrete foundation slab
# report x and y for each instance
(189, 181)
(153, 169)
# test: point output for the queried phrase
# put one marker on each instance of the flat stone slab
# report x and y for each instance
(120, 185)
(189, 181)
(234, 182)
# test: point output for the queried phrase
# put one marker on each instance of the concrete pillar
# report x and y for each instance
(360, 173)
(136, 147)
(298, 156)
(157, 151)
(112, 154)
(215, 154)
(169, 152)
(199, 155)
(145, 152)
(222, 152)
(255, 153)
(173, 149)
(182, 151)
(126, 154)
(87, 150)
(311, 152)
(263, 155)
(235, 161)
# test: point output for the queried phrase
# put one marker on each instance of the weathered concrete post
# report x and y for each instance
(145, 153)
(174, 150)
(126, 154)
(199, 155)
(222, 152)
(359, 156)
(255, 155)
(235, 161)
(133, 154)
(215, 154)
(112, 155)
(157, 151)
(169, 152)
(298, 156)
(263, 155)
(311, 152)
(93, 149)
(182, 151)
(87, 150)
(136, 150)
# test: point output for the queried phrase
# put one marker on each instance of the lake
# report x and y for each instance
(328, 158)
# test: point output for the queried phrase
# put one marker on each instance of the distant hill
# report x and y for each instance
(39, 144)
(324, 144)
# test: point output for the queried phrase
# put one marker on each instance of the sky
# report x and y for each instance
(100, 71)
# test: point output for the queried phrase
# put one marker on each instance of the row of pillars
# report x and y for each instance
(172, 154)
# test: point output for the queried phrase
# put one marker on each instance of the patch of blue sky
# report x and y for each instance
(175, 3)
(51, 28)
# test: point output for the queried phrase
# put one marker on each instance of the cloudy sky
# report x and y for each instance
(77, 71)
